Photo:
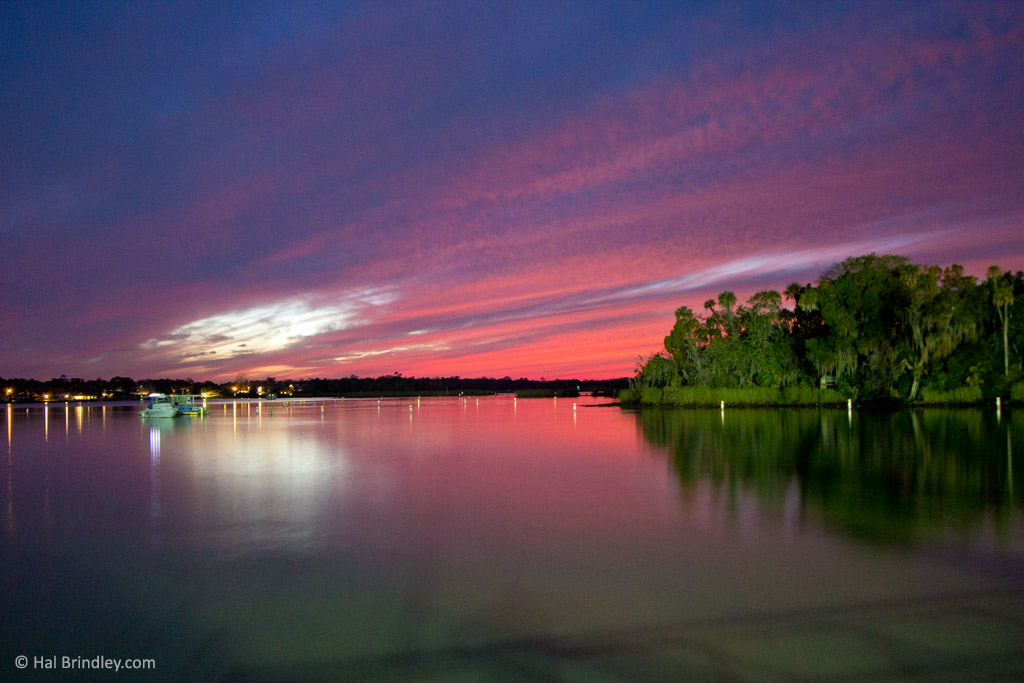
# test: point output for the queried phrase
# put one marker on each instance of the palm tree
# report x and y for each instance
(1002, 298)
(727, 300)
(792, 291)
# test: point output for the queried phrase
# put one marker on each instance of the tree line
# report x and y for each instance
(125, 388)
(875, 327)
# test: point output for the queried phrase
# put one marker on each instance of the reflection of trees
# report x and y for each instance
(888, 476)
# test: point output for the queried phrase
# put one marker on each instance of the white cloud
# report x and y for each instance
(269, 327)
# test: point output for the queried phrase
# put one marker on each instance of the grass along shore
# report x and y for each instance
(800, 395)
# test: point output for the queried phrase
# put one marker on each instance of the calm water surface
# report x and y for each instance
(513, 540)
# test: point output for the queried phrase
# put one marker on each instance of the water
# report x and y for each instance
(514, 541)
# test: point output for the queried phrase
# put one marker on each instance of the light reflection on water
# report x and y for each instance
(529, 539)
(263, 487)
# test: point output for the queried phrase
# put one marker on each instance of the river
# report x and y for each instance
(515, 540)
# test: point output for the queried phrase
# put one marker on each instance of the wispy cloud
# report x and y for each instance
(392, 350)
(777, 264)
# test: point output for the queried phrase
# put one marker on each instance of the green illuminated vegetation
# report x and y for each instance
(874, 328)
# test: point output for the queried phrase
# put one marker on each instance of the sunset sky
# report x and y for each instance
(304, 189)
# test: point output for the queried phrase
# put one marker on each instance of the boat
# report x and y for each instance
(176, 405)
(160, 405)
(186, 406)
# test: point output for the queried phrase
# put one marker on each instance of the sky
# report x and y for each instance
(312, 189)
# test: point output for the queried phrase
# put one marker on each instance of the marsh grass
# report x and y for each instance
(799, 395)
(711, 397)
(960, 395)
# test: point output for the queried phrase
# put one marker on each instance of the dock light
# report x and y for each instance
(46, 397)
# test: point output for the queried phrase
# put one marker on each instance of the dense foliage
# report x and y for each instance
(874, 327)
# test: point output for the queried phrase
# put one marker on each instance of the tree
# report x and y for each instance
(729, 321)
(792, 291)
(882, 326)
(656, 371)
(1002, 299)
(685, 343)
(766, 351)
(937, 319)
(832, 352)
(859, 300)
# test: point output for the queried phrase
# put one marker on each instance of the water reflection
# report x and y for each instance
(9, 512)
(260, 487)
(154, 471)
(893, 477)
